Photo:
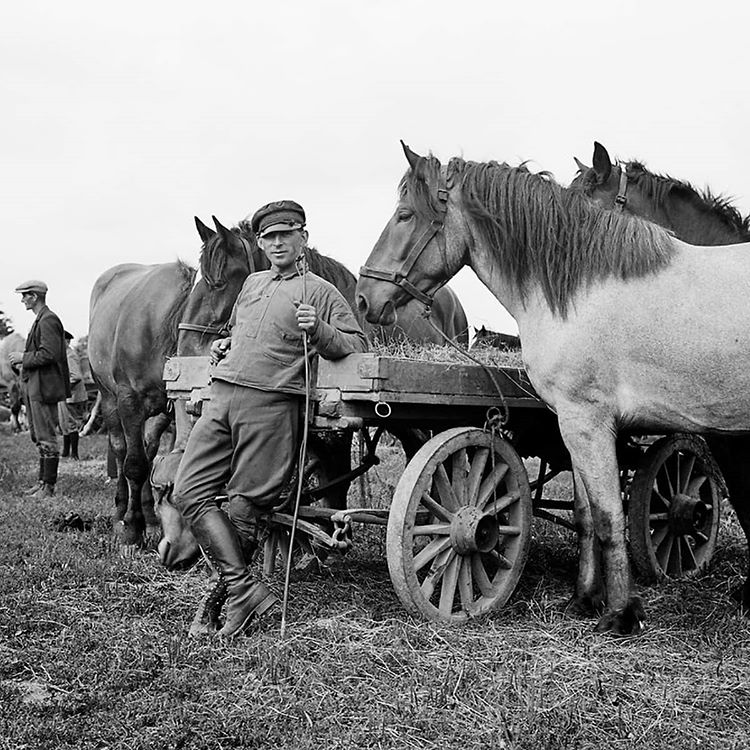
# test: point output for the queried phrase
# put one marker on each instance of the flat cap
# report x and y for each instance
(32, 285)
(279, 216)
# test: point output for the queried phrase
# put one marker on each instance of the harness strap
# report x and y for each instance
(216, 330)
(621, 197)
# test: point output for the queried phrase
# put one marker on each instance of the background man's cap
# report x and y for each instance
(33, 285)
(279, 216)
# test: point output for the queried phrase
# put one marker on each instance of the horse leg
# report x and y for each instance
(593, 453)
(135, 467)
(119, 448)
(730, 454)
(589, 594)
(154, 429)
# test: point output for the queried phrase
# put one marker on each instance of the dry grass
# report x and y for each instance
(93, 651)
(486, 355)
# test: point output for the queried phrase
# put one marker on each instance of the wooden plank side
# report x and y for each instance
(370, 373)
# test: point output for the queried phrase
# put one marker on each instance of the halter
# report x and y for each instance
(400, 277)
(219, 329)
(621, 197)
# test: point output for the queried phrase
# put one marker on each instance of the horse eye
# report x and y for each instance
(404, 215)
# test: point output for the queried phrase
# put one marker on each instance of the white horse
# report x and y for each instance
(624, 327)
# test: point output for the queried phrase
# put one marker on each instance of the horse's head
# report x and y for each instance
(618, 186)
(227, 257)
(420, 248)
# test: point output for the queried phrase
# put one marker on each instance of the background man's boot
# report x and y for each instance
(66, 446)
(50, 476)
(74, 445)
(246, 598)
(40, 480)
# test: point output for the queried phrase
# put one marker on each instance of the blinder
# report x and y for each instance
(621, 197)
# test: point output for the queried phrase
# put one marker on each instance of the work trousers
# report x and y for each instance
(71, 416)
(43, 427)
(244, 444)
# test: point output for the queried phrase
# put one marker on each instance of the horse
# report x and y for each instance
(484, 337)
(11, 377)
(228, 255)
(133, 315)
(698, 218)
(617, 336)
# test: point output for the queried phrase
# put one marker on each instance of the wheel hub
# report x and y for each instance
(473, 531)
(687, 514)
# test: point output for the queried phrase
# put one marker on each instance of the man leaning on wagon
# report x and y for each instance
(246, 441)
(46, 380)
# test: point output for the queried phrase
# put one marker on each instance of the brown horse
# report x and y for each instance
(133, 317)
(699, 218)
(11, 377)
(227, 257)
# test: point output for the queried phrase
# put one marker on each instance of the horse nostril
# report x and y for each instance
(361, 303)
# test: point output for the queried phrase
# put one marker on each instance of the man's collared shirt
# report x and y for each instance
(267, 349)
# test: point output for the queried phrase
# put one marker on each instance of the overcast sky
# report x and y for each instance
(120, 125)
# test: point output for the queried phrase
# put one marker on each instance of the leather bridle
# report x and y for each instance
(621, 198)
(435, 229)
(220, 329)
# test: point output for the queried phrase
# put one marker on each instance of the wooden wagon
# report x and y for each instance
(459, 524)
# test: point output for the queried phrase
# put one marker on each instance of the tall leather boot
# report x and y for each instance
(66, 446)
(246, 598)
(40, 480)
(50, 476)
(73, 445)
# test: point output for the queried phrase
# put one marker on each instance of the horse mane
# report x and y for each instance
(333, 271)
(658, 188)
(166, 339)
(549, 235)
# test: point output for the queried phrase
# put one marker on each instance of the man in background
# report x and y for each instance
(45, 374)
(72, 412)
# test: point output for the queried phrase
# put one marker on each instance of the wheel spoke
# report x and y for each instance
(669, 492)
(437, 569)
(465, 585)
(489, 485)
(675, 558)
(478, 464)
(437, 510)
(658, 517)
(688, 556)
(498, 505)
(448, 589)
(501, 559)
(444, 489)
(665, 501)
(430, 552)
(659, 535)
(459, 472)
(687, 472)
(663, 553)
(432, 529)
(693, 488)
(480, 575)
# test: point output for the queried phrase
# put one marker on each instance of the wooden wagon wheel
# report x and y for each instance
(459, 526)
(673, 515)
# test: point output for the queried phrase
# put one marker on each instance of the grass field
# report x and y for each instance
(94, 654)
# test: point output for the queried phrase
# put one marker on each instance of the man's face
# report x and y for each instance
(283, 248)
(28, 299)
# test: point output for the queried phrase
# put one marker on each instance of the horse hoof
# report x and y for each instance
(152, 537)
(587, 605)
(622, 622)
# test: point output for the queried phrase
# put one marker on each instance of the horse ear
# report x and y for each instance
(226, 234)
(602, 163)
(204, 232)
(411, 157)
(581, 166)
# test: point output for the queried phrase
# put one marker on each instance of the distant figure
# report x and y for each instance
(72, 412)
(46, 378)
(485, 337)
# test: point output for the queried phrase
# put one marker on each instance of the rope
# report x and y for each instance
(301, 461)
